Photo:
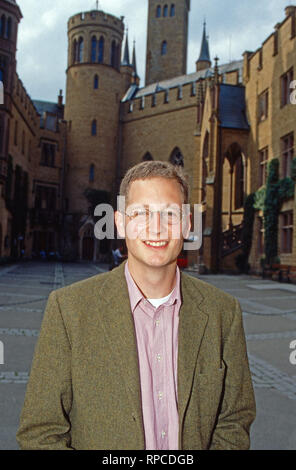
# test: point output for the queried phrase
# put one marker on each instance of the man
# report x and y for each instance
(144, 356)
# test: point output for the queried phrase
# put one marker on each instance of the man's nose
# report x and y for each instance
(155, 222)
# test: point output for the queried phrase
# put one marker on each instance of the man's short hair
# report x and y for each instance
(155, 169)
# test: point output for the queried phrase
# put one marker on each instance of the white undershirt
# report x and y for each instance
(157, 302)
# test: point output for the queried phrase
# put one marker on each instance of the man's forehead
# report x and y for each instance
(143, 190)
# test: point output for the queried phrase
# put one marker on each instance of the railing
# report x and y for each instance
(232, 240)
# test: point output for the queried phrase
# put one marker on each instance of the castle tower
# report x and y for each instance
(94, 88)
(204, 61)
(167, 38)
(10, 16)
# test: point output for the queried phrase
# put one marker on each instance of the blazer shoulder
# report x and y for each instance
(84, 286)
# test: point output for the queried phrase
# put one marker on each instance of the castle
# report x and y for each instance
(226, 124)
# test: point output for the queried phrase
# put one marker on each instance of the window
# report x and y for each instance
(93, 49)
(8, 28)
(158, 11)
(101, 50)
(1, 76)
(166, 97)
(173, 10)
(75, 51)
(23, 142)
(91, 173)
(96, 82)
(113, 54)
(263, 159)
(153, 100)
(147, 157)
(47, 154)
(165, 11)
(2, 26)
(263, 106)
(15, 132)
(45, 198)
(287, 151)
(94, 127)
(80, 50)
(239, 183)
(286, 79)
(287, 232)
(180, 93)
(176, 157)
(164, 48)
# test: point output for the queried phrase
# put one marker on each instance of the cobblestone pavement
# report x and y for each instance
(269, 314)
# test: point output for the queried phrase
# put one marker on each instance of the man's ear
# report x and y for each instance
(119, 222)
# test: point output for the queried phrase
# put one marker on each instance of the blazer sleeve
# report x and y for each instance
(238, 407)
(44, 422)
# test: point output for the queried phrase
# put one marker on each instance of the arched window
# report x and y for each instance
(96, 82)
(173, 10)
(91, 176)
(93, 48)
(8, 28)
(94, 127)
(2, 26)
(1, 76)
(147, 157)
(176, 157)
(165, 11)
(163, 48)
(80, 50)
(113, 54)
(101, 50)
(239, 183)
(158, 11)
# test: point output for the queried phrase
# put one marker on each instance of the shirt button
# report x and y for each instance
(158, 357)
(157, 322)
(163, 434)
(160, 395)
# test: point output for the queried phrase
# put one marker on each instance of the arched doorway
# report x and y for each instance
(87, 241)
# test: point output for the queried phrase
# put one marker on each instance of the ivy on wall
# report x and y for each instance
(269, 199)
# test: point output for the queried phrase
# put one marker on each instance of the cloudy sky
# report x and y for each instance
(233, 27)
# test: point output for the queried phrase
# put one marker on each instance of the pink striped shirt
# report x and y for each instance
(157, 341)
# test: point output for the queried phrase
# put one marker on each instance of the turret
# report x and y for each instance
(204, 61)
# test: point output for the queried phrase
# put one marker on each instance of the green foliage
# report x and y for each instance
(247, 232)
(259, 198)
(293, 170)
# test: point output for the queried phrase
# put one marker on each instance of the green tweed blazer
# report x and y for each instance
(84, 388)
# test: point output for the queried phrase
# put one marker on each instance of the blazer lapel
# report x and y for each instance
(119, 329)
(192, 324)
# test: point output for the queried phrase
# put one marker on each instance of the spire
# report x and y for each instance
(134, 62)
(204, 60)
(126, 59)
(204, 50)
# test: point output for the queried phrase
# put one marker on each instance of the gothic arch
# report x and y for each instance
(176, 157)
(147, 157)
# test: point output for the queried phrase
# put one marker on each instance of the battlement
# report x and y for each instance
(96, 17)
(162, 100)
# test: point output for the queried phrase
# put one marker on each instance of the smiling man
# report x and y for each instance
(144, 356)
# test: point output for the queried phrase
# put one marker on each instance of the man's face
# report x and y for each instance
(157, 239)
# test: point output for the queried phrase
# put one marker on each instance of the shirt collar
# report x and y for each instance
(136, 295)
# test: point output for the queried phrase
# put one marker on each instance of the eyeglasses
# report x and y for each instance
(144, 216)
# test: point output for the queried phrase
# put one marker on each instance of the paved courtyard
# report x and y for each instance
(269, 313)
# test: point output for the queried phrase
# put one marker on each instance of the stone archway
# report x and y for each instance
(87, 241)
